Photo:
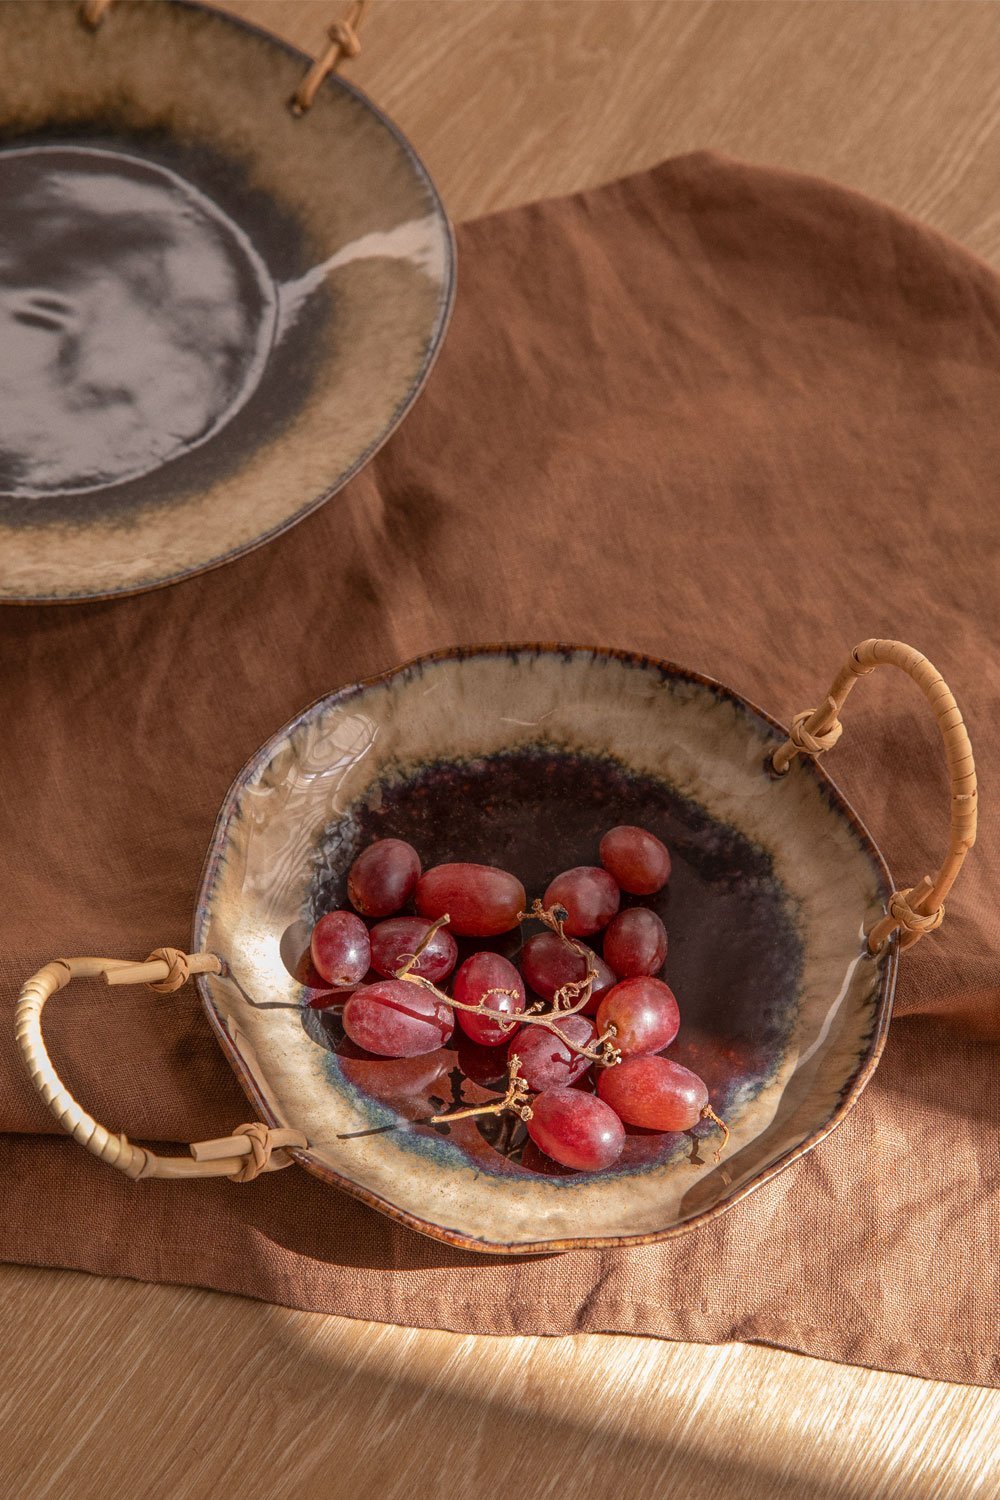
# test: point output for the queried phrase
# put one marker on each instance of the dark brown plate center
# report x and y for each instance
(734, 955)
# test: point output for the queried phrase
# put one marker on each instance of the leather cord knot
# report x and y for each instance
(343, 35)
(263, 1141)
(344, 44)
(909, 920)
(177, 963)
(813, 744)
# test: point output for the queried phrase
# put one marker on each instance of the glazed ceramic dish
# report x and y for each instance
(212, 311)
(784, 929)
(523, 757)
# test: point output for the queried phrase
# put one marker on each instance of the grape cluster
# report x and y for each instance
(583, 1031)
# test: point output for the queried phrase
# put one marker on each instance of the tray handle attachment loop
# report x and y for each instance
(94, 11)
(344, 44)
(915, 910)
(250, 1150)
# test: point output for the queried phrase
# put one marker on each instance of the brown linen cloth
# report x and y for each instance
(731, 416)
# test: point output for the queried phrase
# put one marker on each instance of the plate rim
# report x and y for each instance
(446, 308)
(459, 1239)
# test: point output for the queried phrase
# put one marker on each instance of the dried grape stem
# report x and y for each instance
(517, 1099)
(409, 959)
(708, 1113)
(504, 1018)
(571, 997)
(576, 991)
(607, 1053)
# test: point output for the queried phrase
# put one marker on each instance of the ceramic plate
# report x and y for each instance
(523, 757)
(211, 312)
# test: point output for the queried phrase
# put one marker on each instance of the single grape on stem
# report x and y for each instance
(490, 980)
(644, 1013)
(577, 1130)
(340, 948)
(481, 900)
(654, 1092)
(635, 942)
(638, 860)
(394, 1019)
(397, 938)
(589, 896)
(546, 1060)
(383, 877)
(548, 962)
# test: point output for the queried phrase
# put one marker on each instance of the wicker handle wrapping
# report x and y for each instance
(918, 909)
(251, 1149)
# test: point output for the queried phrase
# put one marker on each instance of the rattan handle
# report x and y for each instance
(918, 909)
(244, 1155)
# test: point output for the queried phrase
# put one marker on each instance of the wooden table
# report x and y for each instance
(114, 1389)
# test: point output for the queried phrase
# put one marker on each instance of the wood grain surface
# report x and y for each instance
(508, 100)
(114, 1389)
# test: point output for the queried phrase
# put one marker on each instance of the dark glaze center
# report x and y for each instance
(135, 318)
(734, 956)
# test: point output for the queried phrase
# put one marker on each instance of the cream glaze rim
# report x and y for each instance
(878, 998)
(445, 307)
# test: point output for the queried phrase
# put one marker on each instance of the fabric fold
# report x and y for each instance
(734, 417)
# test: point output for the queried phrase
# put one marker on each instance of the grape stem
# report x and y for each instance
(572, 996)
(517, 1099)
(708, 1113)
(409, 959)
(568, 1000)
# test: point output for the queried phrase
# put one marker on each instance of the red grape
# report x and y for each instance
(577, 1130)
(589, 895)
(383, 876)
(482, 972)
(396, 1019)
(548, 962)
(637, 859)
(394, 939)
(410, 1085)
(654, 1092)
(340, 948)
(481, 900)
(644, 1013)
(536, 1161)
(635, 942)
(546, 1062)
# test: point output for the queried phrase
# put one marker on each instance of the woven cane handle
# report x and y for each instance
(918, 909)
(241, 1156)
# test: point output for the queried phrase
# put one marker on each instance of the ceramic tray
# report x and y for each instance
(214, 307)
(785, 929)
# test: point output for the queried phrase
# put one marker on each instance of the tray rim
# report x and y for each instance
(456, 1238)
(442, 323)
